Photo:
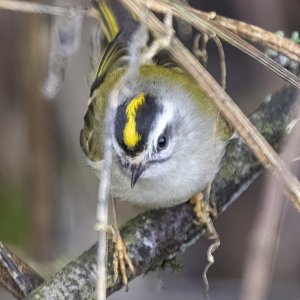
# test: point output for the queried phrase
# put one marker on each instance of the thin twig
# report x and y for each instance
(36, 8)
(211, 260)
(263, 151)
(207, 25)
(258, 35)
(222, 61)
(248, 31)
(65, 41)
(102, 206)
(201, 53)
(139, 40)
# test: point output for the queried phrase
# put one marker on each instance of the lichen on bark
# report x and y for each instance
(158, 235)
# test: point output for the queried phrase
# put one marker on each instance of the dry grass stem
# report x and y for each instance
(136, 57)
(207, 24)
(263, 151)
(258, 35)
(248, 31)
(103, 195)
(222, 62)
(102, 204)
(37, 8)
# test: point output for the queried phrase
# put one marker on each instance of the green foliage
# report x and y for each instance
(14, 214)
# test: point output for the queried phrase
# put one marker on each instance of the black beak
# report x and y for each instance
(136, 172)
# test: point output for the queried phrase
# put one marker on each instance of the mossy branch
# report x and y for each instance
(158, 235)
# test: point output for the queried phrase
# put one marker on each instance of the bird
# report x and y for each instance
(166, 144)
(168, 137)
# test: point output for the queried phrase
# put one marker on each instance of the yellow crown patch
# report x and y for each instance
(130, 134)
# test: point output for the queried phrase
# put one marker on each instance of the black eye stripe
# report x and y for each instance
(146, 116)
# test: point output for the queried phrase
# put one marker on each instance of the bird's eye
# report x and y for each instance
(162, 142)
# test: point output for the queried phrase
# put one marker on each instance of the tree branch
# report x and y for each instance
(158, 235)
(16, 276)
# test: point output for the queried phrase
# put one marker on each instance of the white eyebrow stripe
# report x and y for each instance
(162, 121)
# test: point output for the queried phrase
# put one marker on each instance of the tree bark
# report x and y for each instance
(16, 276)
(157, 236)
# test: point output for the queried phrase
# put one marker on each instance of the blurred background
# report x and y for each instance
(48, 195)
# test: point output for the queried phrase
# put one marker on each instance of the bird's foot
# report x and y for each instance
(121, 259)
(202, 212)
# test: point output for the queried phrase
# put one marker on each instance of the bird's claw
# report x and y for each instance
(202, 213)
(121, 259)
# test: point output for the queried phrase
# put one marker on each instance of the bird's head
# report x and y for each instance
(144, 135)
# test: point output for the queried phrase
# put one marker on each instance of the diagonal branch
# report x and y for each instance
(16, 276)
(158, 235)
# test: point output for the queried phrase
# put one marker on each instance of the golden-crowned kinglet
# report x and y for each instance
(168, 137)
